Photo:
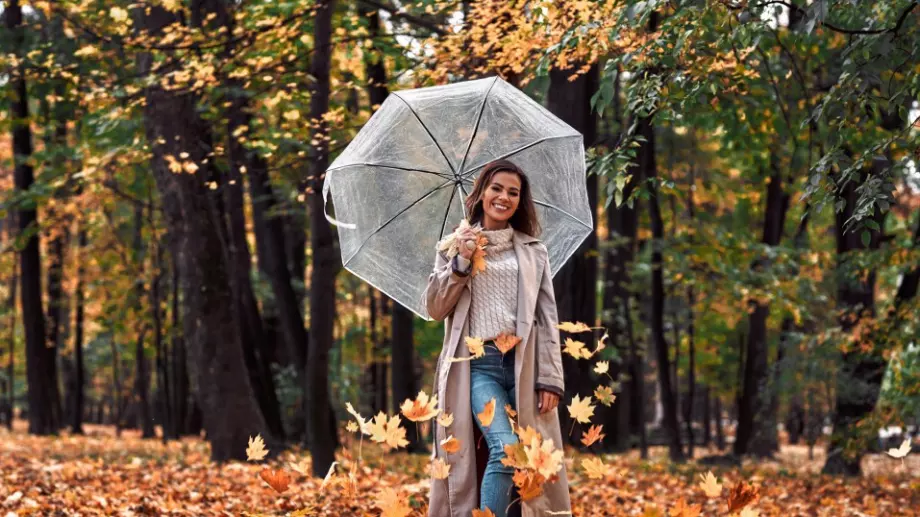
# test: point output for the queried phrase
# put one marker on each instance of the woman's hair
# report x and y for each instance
(524, 218)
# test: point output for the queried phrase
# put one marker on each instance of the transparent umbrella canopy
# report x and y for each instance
(399, 186)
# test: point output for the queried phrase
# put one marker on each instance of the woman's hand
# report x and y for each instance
(546, 401)
(463, 236)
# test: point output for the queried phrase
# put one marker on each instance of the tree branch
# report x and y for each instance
(411, 18)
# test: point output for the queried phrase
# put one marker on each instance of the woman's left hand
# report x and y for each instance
(546, 401)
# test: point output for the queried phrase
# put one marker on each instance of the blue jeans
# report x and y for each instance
(492, 376)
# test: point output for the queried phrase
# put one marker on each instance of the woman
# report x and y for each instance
(512, 295)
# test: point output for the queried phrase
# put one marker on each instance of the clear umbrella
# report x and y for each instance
(399, 186)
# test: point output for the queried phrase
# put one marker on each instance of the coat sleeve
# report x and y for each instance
(445, 285)
(549, 352)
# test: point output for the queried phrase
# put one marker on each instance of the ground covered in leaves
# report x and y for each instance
(99, 474)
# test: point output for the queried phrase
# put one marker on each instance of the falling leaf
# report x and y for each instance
(256, 450)
(601, 367)
(362, 423)
(576, 349)
(488, 413)
(592, 435)
(527, 434)
(901, 451)
(445, 419)
(388, 431)
(543, 457)
(515, 456)
(741, 495)
(392, 503)
(601, 343)
(711, 487)
(594, 467)
(438, 469)
(529, 483)
(681, 509)
(351, 426)
(450, 445)
(277, 479)
(581, 409)
(475, 346)
(301, 467)
(329, 474)
(510, 410)
(479, 255)
(421, 409)
(573, 327)
(505, 342)
(604, 395)
(483, 513)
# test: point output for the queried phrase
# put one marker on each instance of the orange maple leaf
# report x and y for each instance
(684, 510)
(421, 409)
(505, 342)
(488, 413)
(277, 479)
(741, 495)
(592, 435)
(529, 483)
(450, 445)
(479, 256)
(483, 513)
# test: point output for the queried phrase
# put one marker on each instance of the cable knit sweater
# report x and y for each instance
(493, 306)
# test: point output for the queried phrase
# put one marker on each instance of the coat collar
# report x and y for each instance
(523, 238)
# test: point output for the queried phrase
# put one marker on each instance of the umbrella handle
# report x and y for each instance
(341, 224)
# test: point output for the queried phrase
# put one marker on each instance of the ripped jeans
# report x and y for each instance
(492, 376)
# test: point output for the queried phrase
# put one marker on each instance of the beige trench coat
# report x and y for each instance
(537, 361)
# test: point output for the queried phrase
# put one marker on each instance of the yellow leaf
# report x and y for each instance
(438, 469)
(581, 409)
(388, 431)
(119, 14)
(328, 477)
(711, 487)
(901, 451)
(529, 483)
(681, 509)
(601, 367)
(483, 513)
(302, 467)
(475, 346)
(362, 423)
(488, 413)
(576, 349)
(543, 457)
(749, 512)
(574, 328)
(256, 450)
(351, 426)
(445, 419)
(594, 467)
(421, 409)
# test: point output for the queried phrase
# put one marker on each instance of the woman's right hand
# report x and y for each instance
(463, 236)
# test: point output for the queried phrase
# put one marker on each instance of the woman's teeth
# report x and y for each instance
(500, 208)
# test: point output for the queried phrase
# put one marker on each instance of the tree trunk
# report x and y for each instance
(720, 433)
(659, 342)
(707, 417)
(576, 283)
(756, 429)
(78, 383)
(860, 376)
(39, 357)
(326, 263)
(405, 385)
(229, 411)
(11, 308)
(141, 376)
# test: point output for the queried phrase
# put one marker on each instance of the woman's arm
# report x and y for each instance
(445, 285)
(549, 354)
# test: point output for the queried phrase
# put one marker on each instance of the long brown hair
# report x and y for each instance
(524, 218)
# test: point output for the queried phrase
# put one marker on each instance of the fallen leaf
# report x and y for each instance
(594, 467)
(301, 467)
(393, 504)
(256, 450)
(741, 495)
(277, 479)
(681, 509)
(749, 512)
(488, 413)
(329, 475)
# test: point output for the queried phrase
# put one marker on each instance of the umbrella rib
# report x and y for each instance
(482, 109)
(520, 149)
(427, 131)
(407, 169)
(564, 212)
(453, 192)
(397, 214)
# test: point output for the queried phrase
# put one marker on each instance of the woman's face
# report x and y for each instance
(500, 199)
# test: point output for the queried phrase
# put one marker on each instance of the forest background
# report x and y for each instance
(753, 168)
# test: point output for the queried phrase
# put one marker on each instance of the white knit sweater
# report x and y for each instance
(493, 306)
